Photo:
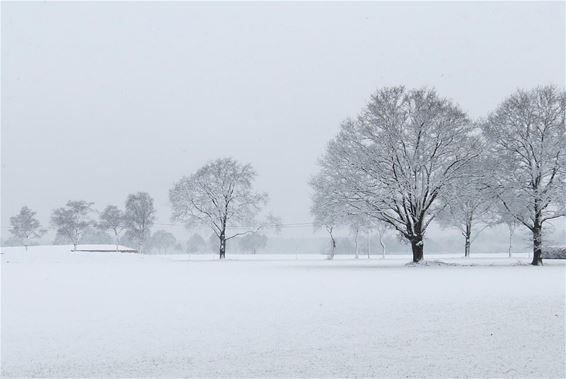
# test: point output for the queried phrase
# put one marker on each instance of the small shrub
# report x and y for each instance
(554, 252)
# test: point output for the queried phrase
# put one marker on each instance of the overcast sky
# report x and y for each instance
(103, 99)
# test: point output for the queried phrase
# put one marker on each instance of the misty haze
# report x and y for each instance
(283, 189)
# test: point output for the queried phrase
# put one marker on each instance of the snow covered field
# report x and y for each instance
(126, 315)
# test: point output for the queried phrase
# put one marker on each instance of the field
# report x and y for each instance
(126, 315)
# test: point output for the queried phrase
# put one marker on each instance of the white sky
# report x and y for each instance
(103, 99)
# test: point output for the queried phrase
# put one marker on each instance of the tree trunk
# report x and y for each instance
(537, 245)
(418, 247)
(26, 246)
(382, 245)
(332, 246)
(467, 235)
(222, 244)
(537, 234)
(329, 229)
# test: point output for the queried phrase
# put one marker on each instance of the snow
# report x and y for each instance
(128, 315)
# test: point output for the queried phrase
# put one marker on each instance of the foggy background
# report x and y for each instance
(100, 100)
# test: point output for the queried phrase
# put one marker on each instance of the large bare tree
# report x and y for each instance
(219, 195)
(397, 157)
(528, 151)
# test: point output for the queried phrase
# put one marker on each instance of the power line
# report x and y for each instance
(286, 225)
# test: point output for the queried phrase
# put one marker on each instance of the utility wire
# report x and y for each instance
(288, 225)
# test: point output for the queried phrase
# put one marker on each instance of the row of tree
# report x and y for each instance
(78, 221)
(409, 158)
(412, 157)
(73, 220)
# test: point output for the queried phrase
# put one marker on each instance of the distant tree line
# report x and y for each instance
(219, 196)
(76, 223)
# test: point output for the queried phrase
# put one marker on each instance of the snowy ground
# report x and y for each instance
(125, 315)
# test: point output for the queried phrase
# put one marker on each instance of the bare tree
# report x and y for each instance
(528, 151)
(330, 229)
(355, 229)
(178, 247)
(511, 225)
(162, 240)
(357, 223)
(467, 202)
(502, 216)
(462, 212)
(72, 220)
(328, 212)
(195, 243)
(25, 226)
(139, 218)
(394, 161)
(219, 195)
(381, 229)
(253, 241)
(113, 219)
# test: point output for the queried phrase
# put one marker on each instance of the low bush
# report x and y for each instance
(554, 252)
